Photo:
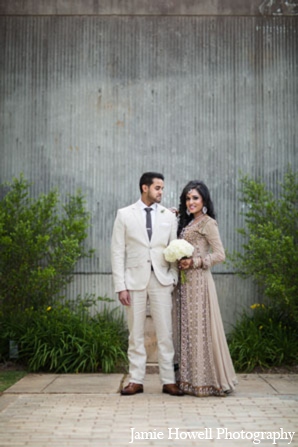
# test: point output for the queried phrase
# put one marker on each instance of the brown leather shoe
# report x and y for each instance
(172, 389)
(132, 388)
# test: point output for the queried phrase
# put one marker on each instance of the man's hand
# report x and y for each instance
(124, 297)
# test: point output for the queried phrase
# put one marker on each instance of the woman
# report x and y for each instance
(204, 364)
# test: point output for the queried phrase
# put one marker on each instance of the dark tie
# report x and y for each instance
(149, 222)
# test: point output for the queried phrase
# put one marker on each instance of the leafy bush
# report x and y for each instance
(263, 339)
(270, 254)
(40, 243)
(66, 339)
(269, 336)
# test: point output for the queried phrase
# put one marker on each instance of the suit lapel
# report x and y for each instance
(139, 218)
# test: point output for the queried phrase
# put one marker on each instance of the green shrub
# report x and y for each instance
(270, 254)
(263, 338)
(66, 339)
(269, 336)
(40, 243)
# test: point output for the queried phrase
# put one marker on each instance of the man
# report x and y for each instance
(141, 232)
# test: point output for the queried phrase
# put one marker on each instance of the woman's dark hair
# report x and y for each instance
(148, 177)
(202, 189)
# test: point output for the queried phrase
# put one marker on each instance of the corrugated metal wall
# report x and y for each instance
(92, 102)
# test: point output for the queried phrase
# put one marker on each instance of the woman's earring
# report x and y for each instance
(204, 210)
(187, 212)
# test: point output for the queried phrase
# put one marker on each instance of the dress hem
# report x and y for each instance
(202, 391)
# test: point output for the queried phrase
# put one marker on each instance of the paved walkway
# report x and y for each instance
(86, 410)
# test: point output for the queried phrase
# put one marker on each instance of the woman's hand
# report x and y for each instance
(185, 264)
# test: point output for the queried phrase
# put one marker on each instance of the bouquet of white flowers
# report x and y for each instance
(176, 250)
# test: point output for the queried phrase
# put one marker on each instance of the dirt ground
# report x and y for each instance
(11, 366)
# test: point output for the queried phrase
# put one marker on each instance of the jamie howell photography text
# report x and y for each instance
(219, 433)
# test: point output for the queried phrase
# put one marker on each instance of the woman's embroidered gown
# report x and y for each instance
(202, 353)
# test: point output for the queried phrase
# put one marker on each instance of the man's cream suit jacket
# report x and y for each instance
(132, 253)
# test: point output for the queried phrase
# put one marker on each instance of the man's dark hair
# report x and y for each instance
(148, 177)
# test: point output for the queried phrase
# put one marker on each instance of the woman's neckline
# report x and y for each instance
(197, 219)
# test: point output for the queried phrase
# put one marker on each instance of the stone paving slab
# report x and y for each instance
(111, 383)
(283, 384)
(62, 414)
(32, 383)
(249, 384)
(67, 383)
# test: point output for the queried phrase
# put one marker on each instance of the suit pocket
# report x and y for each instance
(132, 261)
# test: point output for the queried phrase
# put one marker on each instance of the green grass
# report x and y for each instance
(8, 378)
